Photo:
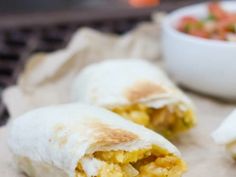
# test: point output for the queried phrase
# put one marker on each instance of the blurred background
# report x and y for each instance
(12, 6)
(27, 26)
(26, 12)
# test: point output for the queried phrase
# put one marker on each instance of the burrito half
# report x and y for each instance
(83, 141)
(138, 91)
(226, 134)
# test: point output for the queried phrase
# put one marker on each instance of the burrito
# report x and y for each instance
(138, 91)
(78, 140)
(226, 134)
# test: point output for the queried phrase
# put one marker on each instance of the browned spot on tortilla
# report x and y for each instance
(59, 127)
(60, 139)
(106, 136)
(143, 89)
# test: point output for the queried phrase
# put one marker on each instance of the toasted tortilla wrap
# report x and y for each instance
(78, 140)
(226, 134)
(137, 90)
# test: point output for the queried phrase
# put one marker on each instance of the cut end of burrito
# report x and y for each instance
(168, 121)
(231, 148)
(148, 162)
(78, 140)
(138, 91)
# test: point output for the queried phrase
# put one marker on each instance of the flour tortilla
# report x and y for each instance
(225, 134)
(50, 141)
(120, 82)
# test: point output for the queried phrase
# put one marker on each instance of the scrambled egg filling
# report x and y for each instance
(231, 148)
(167, 121)
(152, 162)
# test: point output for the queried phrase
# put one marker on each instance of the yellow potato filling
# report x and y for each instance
(167, 120)
(231, 148)
(151, 162)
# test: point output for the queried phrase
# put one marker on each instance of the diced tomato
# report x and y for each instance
(187, 23)
(218, 25)
(144, 3)
(199, 33)
(226, 24)
(189, 19)
(219, 36)
(217, 12)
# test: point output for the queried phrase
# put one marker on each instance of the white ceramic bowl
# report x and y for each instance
(207, 66)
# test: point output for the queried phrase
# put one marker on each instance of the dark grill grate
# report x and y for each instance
(19, 41)
(18, 44)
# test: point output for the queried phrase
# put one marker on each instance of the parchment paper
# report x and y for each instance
(204, 158)
(47, 78)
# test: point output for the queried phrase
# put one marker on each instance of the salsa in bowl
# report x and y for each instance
(219, 24)
(204, 64)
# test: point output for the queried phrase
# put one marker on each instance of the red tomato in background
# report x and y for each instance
(199, 33)
(144, 3)
(188, 21)
(219, 24)
(218, 12)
